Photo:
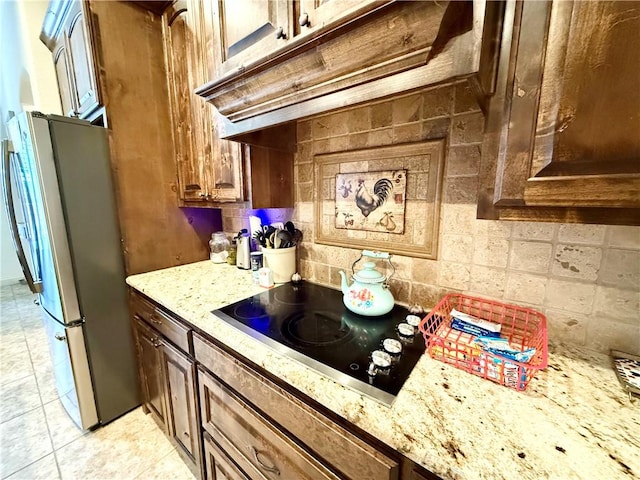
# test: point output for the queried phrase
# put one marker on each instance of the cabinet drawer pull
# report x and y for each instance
(154, 319)
(266, 467)
(157, 342)
(304, 20)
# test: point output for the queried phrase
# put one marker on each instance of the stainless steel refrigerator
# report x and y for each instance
(56, 170)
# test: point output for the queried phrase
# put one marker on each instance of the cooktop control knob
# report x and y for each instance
(392, 346)
(380, 363)
(406, 330)
(413, 320)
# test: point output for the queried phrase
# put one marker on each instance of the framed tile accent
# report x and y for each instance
(422, 164)
(372, 201)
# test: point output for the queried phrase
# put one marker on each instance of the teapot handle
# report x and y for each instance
(374, 254)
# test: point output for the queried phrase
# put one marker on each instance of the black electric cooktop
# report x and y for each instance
(310, 323)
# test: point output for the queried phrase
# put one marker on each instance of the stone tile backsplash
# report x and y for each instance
(585, 278)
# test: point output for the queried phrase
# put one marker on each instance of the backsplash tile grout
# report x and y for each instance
(585, 277)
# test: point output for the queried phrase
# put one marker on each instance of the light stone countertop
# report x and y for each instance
(574, 421)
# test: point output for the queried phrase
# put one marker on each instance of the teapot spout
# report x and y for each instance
(344, 286)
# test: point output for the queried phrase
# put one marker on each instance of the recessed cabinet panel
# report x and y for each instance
(250, 29)
(64, 74)
(180, 387)
(561, 136)
(217, 464)
(316, 14)
(209, 169)
(150, 365)
(178, 37)
(84, 77)
(262, 447)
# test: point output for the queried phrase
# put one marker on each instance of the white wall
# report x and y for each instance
(27, 82)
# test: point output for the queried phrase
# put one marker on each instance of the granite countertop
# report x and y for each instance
(573, 421)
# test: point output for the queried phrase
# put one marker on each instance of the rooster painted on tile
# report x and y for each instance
(367, 202)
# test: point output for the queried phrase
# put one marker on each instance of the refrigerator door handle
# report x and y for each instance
(34, 285)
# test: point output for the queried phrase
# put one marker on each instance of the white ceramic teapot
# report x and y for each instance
(369, 293)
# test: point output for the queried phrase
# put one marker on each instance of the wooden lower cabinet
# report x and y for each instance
(218, 466)
(150, 368)
(235, 404)
(167, 377)
(257, 446)
(229, 421)
(183, 425)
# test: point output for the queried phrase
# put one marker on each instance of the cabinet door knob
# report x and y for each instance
(266, 467)
(60, 337)
(304, 20)
(280, 33)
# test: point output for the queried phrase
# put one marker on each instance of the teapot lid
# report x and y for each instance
(369, 274)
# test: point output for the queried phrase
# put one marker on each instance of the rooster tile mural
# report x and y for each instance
(371, 201)
(385, 198)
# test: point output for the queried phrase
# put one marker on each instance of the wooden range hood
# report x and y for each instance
(376, 50)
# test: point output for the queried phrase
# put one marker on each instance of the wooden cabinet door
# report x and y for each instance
(209, 169)
(179, 374)
(84, 77)
(249, 30)
(217, 464)
(179, 38)
(226, 162)
(64, 75)
(255, 444)
(565, 126)
(224, 157)
(151, 376)
(315, 14)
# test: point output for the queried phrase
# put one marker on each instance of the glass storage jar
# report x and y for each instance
(219, 244)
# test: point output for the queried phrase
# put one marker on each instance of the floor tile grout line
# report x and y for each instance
(27, 466)
(41, 406)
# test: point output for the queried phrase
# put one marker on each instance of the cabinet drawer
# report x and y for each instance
(347, 453)
(169, 327)
(256, 445)
(217, 464)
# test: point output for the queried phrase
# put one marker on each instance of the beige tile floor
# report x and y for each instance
(37, 438)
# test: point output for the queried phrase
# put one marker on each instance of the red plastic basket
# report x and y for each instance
(523, 327)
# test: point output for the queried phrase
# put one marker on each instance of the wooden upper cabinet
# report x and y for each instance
(179, 35)
(83, 73)
(209, 169)
(342, 52)
(250, 29)
(315, 14)
(563, 132)
(66, 32)
(64, 75)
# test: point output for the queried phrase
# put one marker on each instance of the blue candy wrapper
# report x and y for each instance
(465, 327)
(501, 346)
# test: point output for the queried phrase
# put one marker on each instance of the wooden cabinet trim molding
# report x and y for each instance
(262, 94)
(526, 174)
